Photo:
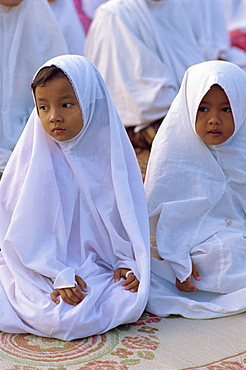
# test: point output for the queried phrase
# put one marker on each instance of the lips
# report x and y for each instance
(58, 130)
(214, 133)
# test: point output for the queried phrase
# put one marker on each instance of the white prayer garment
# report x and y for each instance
(142, 48)
(208, 19)
(196, 202)
(29, 36)
(68, 19)
(89, 6)
(235, 13)
(71, 208)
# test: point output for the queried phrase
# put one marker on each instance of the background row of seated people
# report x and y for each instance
(145, 49)
(141, 47)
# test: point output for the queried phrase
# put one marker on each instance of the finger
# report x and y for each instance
(69, 297)
(78, 293)
(130, 278)
(133, 285)
(135, 288)
(81, 283)
(195, 272)
(117, 275)
(54, 296)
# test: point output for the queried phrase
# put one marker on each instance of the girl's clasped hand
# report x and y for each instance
(75, 295)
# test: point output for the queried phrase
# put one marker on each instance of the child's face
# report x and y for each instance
(10, 2)
(58, 109)
(214, 120)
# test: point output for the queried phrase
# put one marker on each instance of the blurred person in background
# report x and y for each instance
(29, 36)
(85, 10)
(236, 22)
(67, 17)
(142, 54)
(209, 20)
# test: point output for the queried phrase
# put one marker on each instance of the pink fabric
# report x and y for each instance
(86, 21)
(238, 39)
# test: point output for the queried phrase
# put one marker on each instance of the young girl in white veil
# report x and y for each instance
(74, 227)
(195, 187)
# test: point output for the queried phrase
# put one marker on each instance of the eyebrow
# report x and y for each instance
(206, 102)
(224, 102)
(61, 98)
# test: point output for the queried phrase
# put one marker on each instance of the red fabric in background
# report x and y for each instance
(86, 21)
(238, 39)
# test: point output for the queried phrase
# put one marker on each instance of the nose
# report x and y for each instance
(214, 118)
(55, 115)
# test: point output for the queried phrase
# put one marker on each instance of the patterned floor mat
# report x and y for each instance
(172, 343)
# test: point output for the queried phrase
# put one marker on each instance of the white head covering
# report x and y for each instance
(77, 207)
(186, 178)
(30, 35)
(68, 19)
(156, 47)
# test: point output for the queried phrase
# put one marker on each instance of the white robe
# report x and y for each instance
(196, 202)
(67, 17)
(235, 11)
(73, 207)
(90, 6)
(142, 48)
(29, 37)
(208, 19)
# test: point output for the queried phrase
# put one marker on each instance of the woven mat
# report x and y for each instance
(172, 343)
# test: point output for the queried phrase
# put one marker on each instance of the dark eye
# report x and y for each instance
(226, 109)
(66, 105)
(43, 107)
(202, 109)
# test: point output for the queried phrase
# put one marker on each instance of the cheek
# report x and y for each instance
(44, 126)
(199, 126)
(232, 130)
(77, 118)
(231, 126)
(43, 121)
(199, 121)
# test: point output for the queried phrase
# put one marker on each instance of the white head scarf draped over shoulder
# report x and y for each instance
(186, 178)
(75, 207)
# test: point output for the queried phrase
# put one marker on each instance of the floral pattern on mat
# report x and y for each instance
(113, 350)
(124, 348)
(237, 362)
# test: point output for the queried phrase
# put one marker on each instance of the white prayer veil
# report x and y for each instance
(185, 177)
(77, 207)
